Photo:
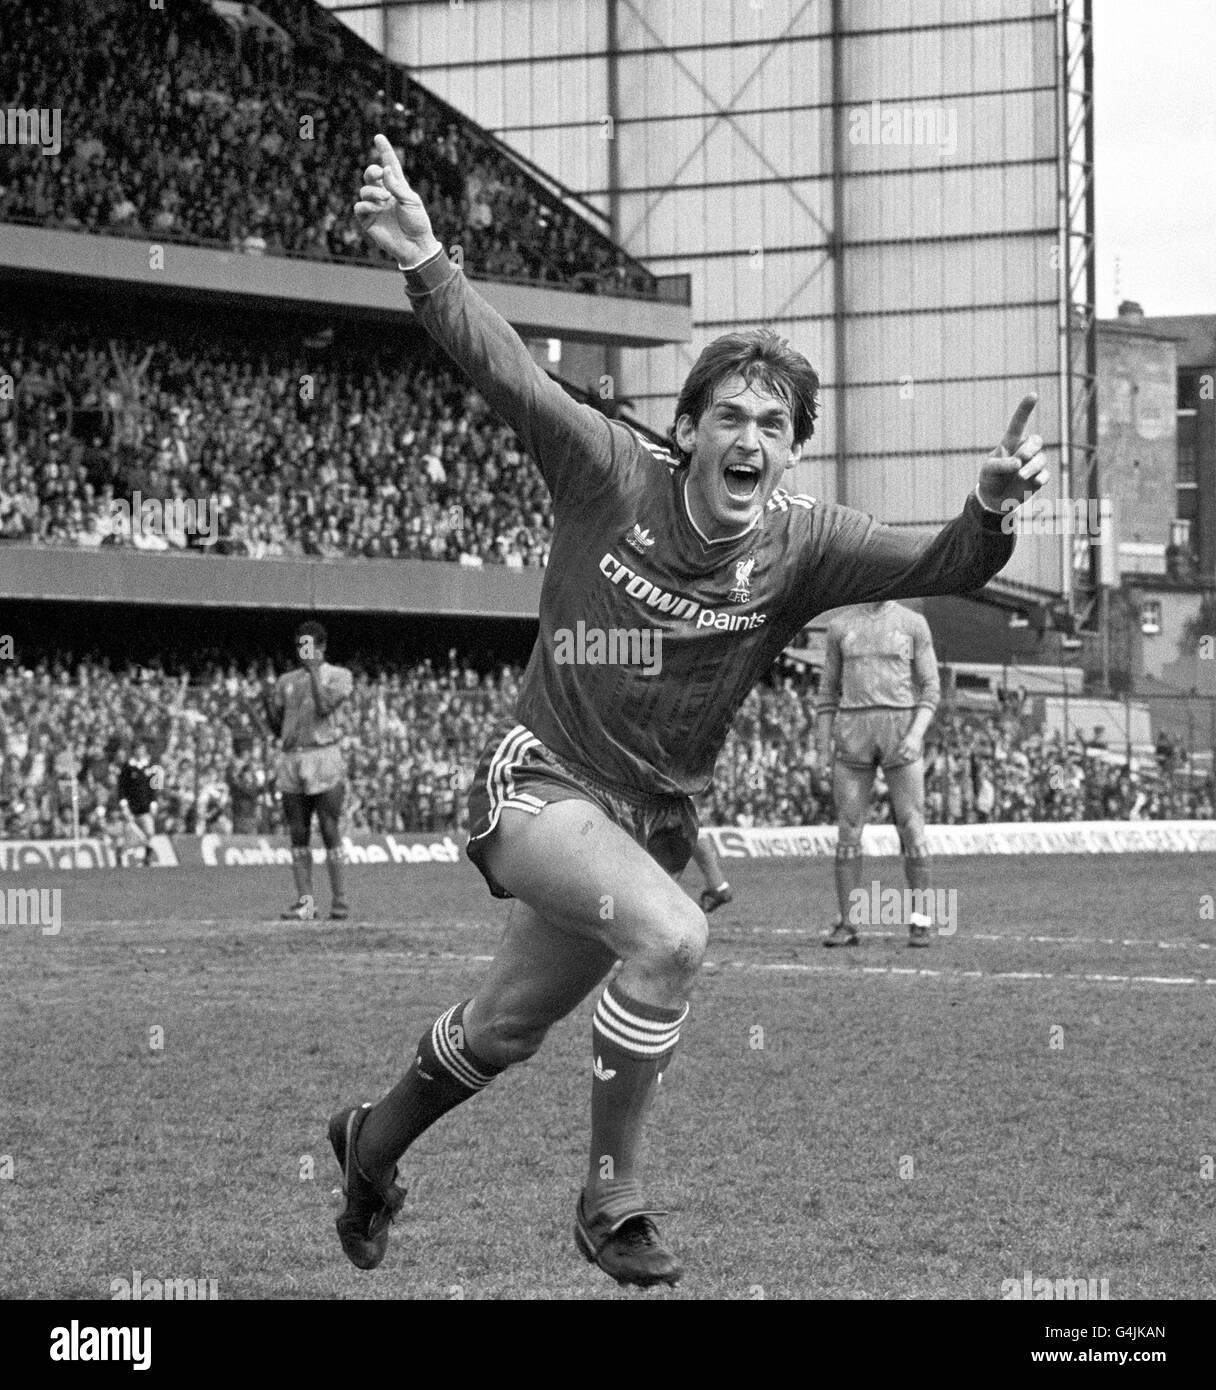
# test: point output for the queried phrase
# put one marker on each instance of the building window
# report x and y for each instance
(1188, 391)
(1188, 449)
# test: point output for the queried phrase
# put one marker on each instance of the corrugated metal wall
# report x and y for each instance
(727, 162)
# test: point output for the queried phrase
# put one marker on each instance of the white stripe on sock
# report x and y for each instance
(461, 1069)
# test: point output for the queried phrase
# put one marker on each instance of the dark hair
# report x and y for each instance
(762, 357)
(314, 630)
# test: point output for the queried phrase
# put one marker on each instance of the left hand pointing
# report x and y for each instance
(1014, 471)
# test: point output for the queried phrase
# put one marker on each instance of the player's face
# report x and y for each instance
(739, 449)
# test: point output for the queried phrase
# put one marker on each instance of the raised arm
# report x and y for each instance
(855, 559)
(556, 430)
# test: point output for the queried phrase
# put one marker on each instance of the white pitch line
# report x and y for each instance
(803, 968)
(814, 935)
(809, 936)
(798, 967)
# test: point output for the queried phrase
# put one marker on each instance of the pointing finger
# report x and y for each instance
(384, 148)
(1017, 422)
(392, 172)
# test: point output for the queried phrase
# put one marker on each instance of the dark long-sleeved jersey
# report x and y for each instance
(651, 635)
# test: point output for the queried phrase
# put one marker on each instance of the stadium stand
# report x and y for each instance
(387, 454)
(178, 126)
(414, 731)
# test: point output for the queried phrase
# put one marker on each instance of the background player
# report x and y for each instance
(877, 698)
(138, 782)
(717, 891)
(582, 809)
(311, 774)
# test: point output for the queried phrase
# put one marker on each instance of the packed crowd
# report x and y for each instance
(414, 732)
(169, 129)
(369, 453)
(980, 766)
(413, 735)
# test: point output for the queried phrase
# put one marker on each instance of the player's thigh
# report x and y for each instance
(578, 869)
(540, 972)
(906, 787)
(851, 790)
(297, 812)
(328, 805)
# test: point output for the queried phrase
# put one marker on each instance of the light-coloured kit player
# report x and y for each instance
(877, 697)
(311, 772)
(717, 891)
(581, 808)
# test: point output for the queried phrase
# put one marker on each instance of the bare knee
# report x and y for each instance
(671, 954)
(506, 1036)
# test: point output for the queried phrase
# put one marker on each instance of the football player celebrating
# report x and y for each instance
(877, 697)
(581, 806)
(311, 776)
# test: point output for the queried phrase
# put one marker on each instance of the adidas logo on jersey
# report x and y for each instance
(782, 501)
(638, 539)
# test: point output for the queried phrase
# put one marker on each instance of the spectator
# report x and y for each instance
(182, 141)
(413, 732)
(387, 458)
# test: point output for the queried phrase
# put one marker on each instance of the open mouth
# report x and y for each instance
(742, 480)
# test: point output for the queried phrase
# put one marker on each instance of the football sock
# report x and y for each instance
(301, 870)
(335, 862)
(918, 873)
(633, 1044)
(848, 876)
(444, 1072)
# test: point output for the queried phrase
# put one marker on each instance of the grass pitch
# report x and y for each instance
(1033, 1093)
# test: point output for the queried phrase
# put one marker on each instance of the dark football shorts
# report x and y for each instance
(517, 771)
(868, 738)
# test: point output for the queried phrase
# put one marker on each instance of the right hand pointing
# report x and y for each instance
(391, 213)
